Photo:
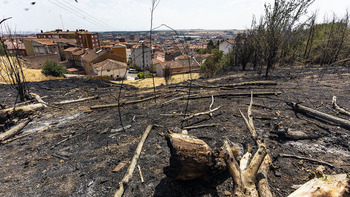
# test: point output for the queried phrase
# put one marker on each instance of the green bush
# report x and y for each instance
(140, 75)
(148, 75)
(53, 69)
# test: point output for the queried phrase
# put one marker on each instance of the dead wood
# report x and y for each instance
(340, 61)
(21, 111)
(201, 113)
(121, 129)
(249, 83)
(329, 185)
(175, 99)
(263, 183)
(14, 130)
(244, 179)
(76, 101)
(123, 103)
(121, 165)
(249, 121)
(140, 173)
(317, 114)
(16, 138)
(133, 163)
(306, 158)
(201, 126)
(38, 98)
(191, 158)
(235, 94)
(339, 109)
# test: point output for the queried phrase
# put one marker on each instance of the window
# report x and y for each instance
(79, 36)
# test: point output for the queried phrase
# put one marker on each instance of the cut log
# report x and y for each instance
(21, 111)
(76, 101)
(133, 163)
(191, 158)
(317, 114)
(123, 103)
(14, 130)
(330, 185)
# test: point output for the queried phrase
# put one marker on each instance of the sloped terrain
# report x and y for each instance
(72, 150)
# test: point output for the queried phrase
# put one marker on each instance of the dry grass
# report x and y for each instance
(30, 74)
(147, 83)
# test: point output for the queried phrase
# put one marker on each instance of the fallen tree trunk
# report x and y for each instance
(21, 111)
(14, 130)
(76, 101)
(329, 185)
(317, 114)
(201, 126)
(133, 163)
(234, 94)
(249, 83)
(123, 103)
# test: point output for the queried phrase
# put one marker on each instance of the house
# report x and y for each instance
(91, 57)
(111, 68)
(120, 50)
(141, 56)
(226, 46)
(15, 46)
(44, 47)
(68, 53)
(176, 67)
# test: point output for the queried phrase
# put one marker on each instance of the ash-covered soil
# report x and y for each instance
(72, 151)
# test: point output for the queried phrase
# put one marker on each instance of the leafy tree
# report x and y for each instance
(213, 64)
(210, 45)
(53, 69)
(279, 20)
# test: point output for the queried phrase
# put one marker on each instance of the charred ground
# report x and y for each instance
(76, 155)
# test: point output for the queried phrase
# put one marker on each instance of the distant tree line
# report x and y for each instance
(279, 38)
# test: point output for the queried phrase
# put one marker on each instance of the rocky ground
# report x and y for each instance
(72, 150)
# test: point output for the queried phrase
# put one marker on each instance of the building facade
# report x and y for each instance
(141, 57)
(81, 37)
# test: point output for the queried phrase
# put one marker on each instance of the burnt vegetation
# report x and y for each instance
(229, 133)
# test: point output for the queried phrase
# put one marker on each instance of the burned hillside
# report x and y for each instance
(80, 148)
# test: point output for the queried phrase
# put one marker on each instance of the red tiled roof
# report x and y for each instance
(109, 64)
(70, 49)
(79, 52)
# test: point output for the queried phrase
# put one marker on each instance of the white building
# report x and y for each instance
(226, 46)
(111, 68)
(141, 57)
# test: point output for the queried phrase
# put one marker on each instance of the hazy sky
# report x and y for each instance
(135, 14)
